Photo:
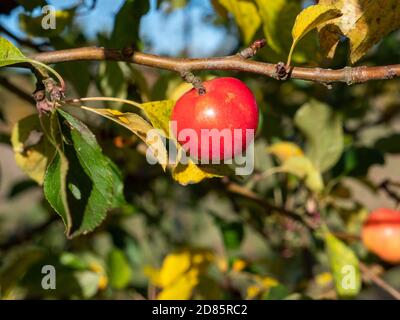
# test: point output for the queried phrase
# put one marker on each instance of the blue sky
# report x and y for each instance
(168, 33)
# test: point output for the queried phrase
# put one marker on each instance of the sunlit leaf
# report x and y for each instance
(284, 150)
(159, 114)
(191, 173)
(364, 22)
(32, 150)
(138, 126)
(344, 266)
(310, 18)
(9, 54)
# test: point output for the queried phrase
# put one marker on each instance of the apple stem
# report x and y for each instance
(189, 77)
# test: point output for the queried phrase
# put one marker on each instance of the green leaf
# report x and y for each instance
(344, 266)
(32, 150)
(278, 17)
(246, 16)
(70, 71)
(232, 233)
(81, 184)
(112, 80)
(120, 272)
(159, 114)
(303, 168)
(127, 22)
(9, 54)
(278, 292)
(310, 18)
(323, 129)
(15, 266)
(140, 127)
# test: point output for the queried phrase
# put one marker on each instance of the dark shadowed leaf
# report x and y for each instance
(390, 144)
(81, 183)
(126, 27)
(356, 161)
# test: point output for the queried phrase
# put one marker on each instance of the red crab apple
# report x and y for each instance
(381, 234)
(219, 119)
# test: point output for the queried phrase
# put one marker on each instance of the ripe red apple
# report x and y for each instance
(381, 234)
(227, 106)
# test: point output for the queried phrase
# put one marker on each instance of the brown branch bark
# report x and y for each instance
(235, 63)
(369, 276)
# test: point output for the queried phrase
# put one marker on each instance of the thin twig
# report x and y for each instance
(235, 63)
(248, 194)
(368, 276)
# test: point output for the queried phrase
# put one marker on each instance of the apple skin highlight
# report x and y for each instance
(228, 104)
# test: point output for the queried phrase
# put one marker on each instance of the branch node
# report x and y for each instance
(252, 50)
(189, 77)
(348, 75)
(282, 71)
(128, 52)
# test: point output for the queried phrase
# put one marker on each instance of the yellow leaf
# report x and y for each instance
(285, 150)
(253, 291)
(140, 127)
(308, 19)
(239, 265)
(364, 22)
(182, 288)
(32, 150)
(159, 113)
(174, 266)
(269, 282)
(191, 173)
(246, 16)
(179, 273)
(324, 278)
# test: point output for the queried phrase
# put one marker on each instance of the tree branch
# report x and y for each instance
(236, 63)
(369, 275)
